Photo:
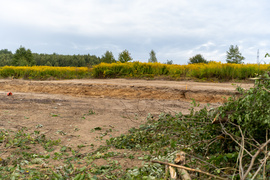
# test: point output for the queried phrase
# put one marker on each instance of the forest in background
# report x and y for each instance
(7, 58)
(25, 57)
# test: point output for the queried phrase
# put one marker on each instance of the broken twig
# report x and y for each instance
(188, 169)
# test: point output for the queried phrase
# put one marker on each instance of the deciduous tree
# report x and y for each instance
(108, 57)
(169, 62)
(197, 59)
(124, 56)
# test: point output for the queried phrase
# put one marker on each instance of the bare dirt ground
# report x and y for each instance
(87, 112)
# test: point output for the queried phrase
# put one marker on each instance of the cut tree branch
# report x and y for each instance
(223, 129)
(189, 169)
(254, 158)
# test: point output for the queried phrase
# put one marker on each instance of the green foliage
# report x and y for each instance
(162, 135)
(153, 57)
(48, 63)
(108, 57)
(252, 110)
(27, 154)
(234, 55)
(196, 135)
(23, 57)
(197, 59)
(66, 60)
(5, 51)
(5, 57)
(169, 62)
(124, 57)
(267, 55)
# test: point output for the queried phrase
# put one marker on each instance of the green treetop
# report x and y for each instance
(124, 56)
(197, 59)
(234, 55)
(153, 57)
(23, 57)
(108, 57)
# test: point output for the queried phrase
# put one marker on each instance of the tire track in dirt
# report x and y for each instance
(121, 91)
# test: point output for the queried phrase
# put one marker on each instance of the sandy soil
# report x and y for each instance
(127, 89)
(87, 112)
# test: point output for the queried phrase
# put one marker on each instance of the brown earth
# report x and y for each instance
(87, 112)
(127, 89)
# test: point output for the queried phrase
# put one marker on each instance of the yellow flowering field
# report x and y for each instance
(44, 72)
(217, 70)
(222, 71)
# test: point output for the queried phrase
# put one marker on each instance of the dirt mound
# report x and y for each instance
(126, 89)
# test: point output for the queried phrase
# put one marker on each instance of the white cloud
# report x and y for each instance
(176, 30)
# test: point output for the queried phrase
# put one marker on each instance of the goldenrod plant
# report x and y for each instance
(44, 72)
(218, 70)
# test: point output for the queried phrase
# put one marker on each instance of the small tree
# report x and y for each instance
(234, 55)
(153, 57)
(108, 57)
(23, 57)
(169, 62)
(124, 56)
(197, 59)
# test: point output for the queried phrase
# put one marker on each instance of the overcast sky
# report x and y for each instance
(175, 29)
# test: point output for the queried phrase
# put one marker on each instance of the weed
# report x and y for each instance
(54, 115)
(91, 112)
(81, 146)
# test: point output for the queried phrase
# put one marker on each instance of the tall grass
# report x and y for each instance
(44, 72)
(212, 70)
(202, 71)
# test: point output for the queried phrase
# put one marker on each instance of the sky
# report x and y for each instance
(175, 29)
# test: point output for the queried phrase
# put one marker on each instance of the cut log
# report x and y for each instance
(181, 160)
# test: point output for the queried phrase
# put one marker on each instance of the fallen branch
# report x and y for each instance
(225, 132)
(266, 89)
(188, 169)
(262, 164)
(254, 157)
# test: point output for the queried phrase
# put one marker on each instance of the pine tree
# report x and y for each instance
(234, 55)
(153, 57)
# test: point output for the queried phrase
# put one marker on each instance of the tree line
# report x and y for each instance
(25, 57)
